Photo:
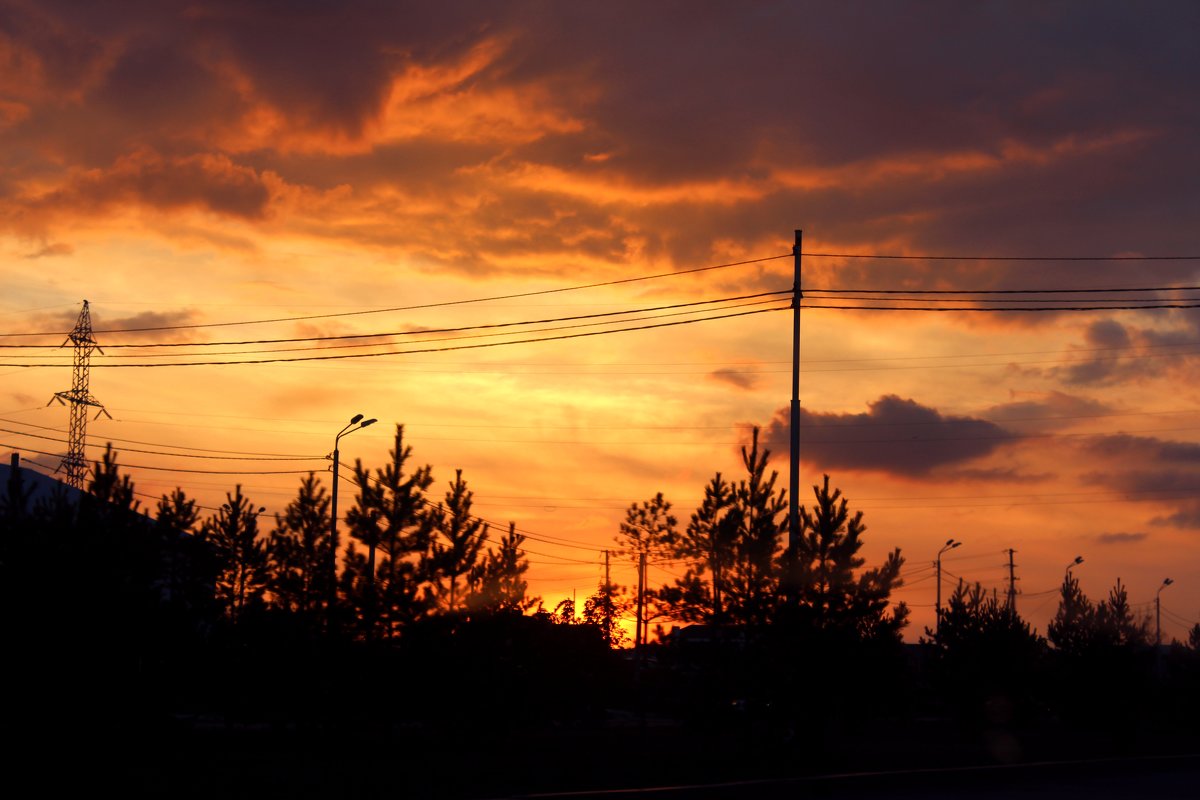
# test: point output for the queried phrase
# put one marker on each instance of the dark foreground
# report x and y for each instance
(209, 759)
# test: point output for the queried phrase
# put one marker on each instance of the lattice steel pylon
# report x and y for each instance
(75, 463)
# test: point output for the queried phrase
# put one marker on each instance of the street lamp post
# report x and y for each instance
(356, 423)
(1077, 561)
(949, 545)
(1158, 611)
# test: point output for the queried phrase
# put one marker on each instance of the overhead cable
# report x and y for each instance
(442, 304)
(415, 351)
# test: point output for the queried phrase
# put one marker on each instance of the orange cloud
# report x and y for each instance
(210, 182)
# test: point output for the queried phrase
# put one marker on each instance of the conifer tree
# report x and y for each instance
(458, 538)
(299, 551)
(184, 565)
(1073, 628)
(114, 489)
(824, 570)
(982, 649)
(498, 581)
(709, 545)
(648, 532)
(388, 517)
(751, 591)
(241, 556)
(177, 512)
(604, 609)
(1115, 622)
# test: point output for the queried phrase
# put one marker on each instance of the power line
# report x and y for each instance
(423, 305)
(969, 309)
(172, 469)
(923, 292)
(424, 350)
(879, 297)
(423, 332)
(178, 455)
(160, 444)
(907, 257)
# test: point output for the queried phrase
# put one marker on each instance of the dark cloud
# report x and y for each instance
(1148, 449)
(1047, 411)
(133, 328)
(1144, 468)
(908, 124)
(733, 377)
(1121, 538)
(214, 183)
(1186, 517)
(51, 249)
(895, 435)
(1105, 363)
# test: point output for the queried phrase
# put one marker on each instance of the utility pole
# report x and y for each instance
(794, 471)
(640, 631)
(607, 582)
(1012, 583)
(75, 463)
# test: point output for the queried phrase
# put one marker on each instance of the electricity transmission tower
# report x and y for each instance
(75, 463)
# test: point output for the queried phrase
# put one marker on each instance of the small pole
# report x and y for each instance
(1157, 620)
(640, 631)
(333, 539)
(937, 608)
(1012, 583)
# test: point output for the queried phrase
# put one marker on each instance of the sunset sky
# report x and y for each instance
(186, 164)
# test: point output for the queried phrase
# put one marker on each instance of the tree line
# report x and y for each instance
(188, 611)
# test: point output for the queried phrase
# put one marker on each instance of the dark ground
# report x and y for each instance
(208, 759)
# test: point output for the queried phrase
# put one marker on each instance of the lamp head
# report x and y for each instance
(1078, 560)
(354, 420)
(1168, 582)
(956, 544)
(367, 422)
(949, 542)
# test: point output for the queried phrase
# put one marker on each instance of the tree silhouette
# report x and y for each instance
(177, 512)
(824, 568)
(458, 537)
(1115, 622)
(299, 551)
(604, 609)
(498, 581)
(389, 517)
(983, 652)
(1074, 625)
(649, 531)
(751, 592)
(113, 489)
(242, 570)
(710, 547)
(187, 563)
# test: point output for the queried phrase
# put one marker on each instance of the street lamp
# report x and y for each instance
(949, 545)
(356, 423)
(1158, 611)
(1078, 560)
